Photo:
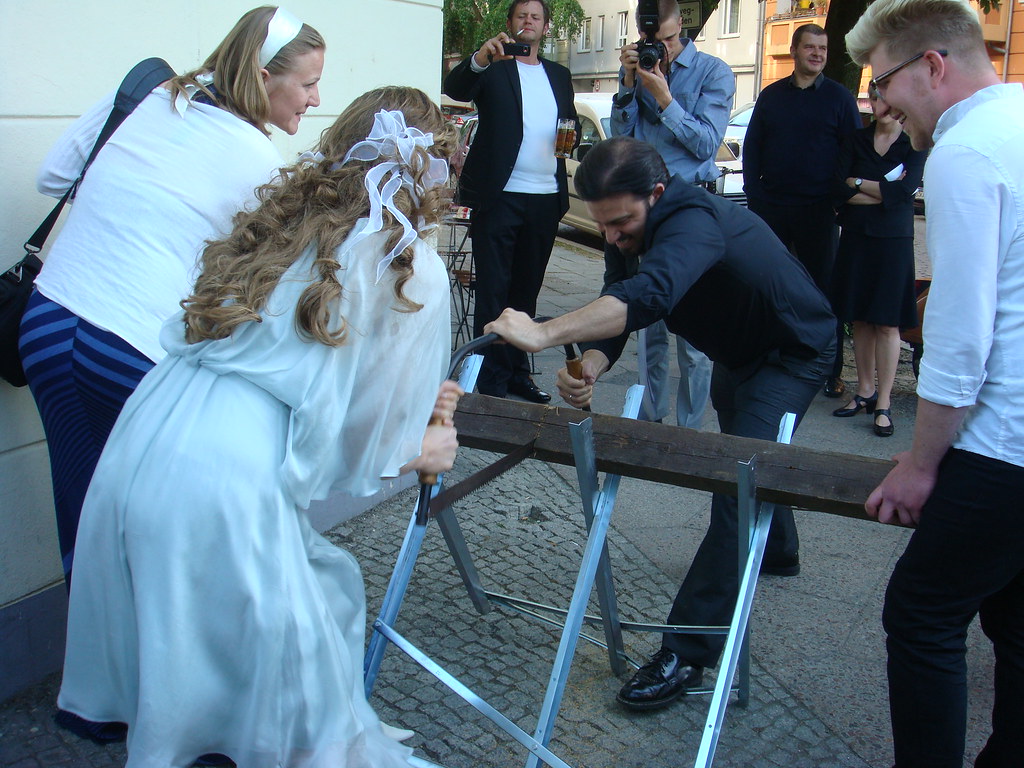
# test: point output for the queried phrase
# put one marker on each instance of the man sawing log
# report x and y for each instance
(718, 277)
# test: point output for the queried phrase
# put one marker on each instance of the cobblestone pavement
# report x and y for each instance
(818, 695)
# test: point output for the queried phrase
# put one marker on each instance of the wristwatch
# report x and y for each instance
(857, 182)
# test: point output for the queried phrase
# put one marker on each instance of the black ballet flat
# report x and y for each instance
(887, 430)
(866, 404)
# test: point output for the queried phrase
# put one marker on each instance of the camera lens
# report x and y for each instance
(648, 59)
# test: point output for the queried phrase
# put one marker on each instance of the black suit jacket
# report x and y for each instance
(499, 101)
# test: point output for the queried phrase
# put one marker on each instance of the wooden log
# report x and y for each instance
(824, 481)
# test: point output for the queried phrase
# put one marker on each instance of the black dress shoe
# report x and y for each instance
(884, 430)
(834, 387)
(526, 389)
(100, 733)
(856, 405)
(660, 681)
(781, 566)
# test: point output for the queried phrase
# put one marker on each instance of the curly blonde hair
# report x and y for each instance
(317, 204)
(237, 82)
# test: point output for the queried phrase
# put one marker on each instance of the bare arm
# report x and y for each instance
(603, 318)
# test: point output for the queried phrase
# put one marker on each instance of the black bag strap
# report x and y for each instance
(143, 78)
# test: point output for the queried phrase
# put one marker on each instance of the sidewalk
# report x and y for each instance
(818, 662)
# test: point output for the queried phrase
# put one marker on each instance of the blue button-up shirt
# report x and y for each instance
(688, 132)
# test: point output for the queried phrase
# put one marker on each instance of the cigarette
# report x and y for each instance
(520, 32)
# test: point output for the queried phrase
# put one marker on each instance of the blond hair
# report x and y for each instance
(905, 28)
(237, 84)
(317, 204)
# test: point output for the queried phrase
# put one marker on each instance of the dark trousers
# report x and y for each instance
(747, 408)
(512, 242)
(966, 558)
(810, 233)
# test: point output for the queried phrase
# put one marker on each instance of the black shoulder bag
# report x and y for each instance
(16, 282)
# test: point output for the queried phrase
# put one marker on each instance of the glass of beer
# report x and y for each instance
(565, 137)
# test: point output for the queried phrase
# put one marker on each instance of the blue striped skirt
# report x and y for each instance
(80, 377)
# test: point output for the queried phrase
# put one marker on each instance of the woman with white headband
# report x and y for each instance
(171, 177)
(206, 612)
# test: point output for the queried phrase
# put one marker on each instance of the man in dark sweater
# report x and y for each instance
(718, 277)
(789, 160)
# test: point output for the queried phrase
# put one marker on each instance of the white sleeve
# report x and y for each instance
(963, 242)
(67, 157)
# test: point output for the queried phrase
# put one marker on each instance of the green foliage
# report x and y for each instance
(467, 23)
(842, 15)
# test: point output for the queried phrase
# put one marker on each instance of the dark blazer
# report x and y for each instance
(499, 102)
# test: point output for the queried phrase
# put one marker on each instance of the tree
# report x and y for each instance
(467, 23)
(842, 15)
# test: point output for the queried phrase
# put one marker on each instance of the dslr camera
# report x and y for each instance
(648, 48)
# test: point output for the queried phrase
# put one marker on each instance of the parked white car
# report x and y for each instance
(594, 110)
(736, 130)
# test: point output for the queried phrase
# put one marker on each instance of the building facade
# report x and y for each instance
(732, 33)
(1003, 29)
(753, 38)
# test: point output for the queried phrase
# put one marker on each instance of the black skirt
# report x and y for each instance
(873, 280)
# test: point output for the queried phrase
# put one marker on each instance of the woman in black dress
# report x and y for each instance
(873, 278)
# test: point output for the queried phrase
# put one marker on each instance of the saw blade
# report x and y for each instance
(462, 489)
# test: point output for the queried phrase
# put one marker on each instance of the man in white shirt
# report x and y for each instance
(962, 482)
(513, 181)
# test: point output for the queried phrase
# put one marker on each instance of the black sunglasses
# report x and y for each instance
(876, 82)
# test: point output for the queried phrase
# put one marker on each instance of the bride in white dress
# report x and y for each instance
(206, 613)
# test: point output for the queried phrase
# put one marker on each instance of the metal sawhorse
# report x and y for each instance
(595, 570)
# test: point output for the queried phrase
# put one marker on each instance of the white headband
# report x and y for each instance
(392, 140)
(282, 29)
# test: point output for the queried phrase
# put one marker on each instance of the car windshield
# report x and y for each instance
(742, 117)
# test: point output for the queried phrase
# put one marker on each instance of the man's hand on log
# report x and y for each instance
(899, 498)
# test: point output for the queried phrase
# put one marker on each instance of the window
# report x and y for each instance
(589, 136)
(730, 10)
(623, 37)
(583, 41)
(599, 34)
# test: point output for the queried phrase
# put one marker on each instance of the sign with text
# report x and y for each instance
(690, 13)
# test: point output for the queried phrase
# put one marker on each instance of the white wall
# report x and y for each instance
(60, 56)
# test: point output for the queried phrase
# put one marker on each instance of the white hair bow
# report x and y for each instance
(184, 99)
(392, 140)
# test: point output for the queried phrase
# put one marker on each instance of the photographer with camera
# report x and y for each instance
(513, 180)
(678, 100)
(715, 273)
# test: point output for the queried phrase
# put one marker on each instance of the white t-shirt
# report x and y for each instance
(161, 187)
(534, 172)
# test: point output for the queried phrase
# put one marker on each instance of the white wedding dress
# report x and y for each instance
(205, 611)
